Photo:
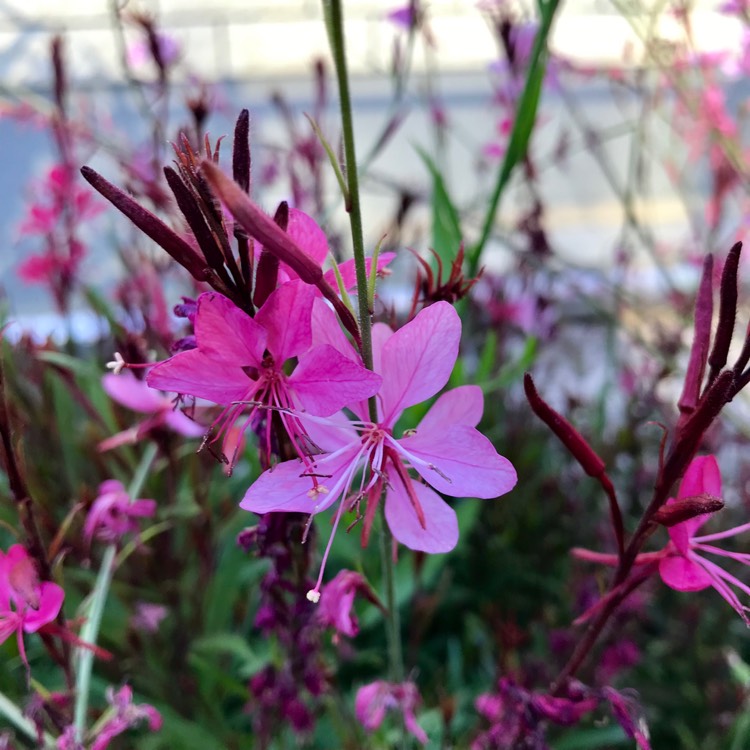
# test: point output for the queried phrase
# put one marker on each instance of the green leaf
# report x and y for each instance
(522, 126)
(446, 224)
(599, 738)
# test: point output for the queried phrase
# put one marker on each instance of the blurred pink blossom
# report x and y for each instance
(26, 603)
(373, 701)
(113, 514)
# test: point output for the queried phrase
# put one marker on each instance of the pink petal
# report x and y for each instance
(702, 476)
(304, 230)
(348, 271)
(330, 434)
(462, 405)
(195, 374)
(441, 534)
(228, 334)
(417, 360)
(466, 463)
(683, 575)
(51, 597)
(326, 330)
(326, 381)
(182, 424)
(286, 488)
(286, 316)
(370, 705)
(381, 333)
(135, 394)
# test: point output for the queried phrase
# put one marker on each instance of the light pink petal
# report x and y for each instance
(286, 316)
(462, 405)
(683, 575)
(135, 394)
(381, 333)
(441, 532)
(326, 330)
(330, 434)
(286, 488)
(51, 597)
(410, 721)
(195, 374)
(348, 271)
(465, 462)
(326, 381)
(226, 333)
(417, 360)
(126, 437)
(304, 230)
(182, 424)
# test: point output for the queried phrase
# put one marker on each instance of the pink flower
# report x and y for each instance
(374, 700)
(127, 715)
(682, 564)
(147, 617)
(337, 600)
(113, 514)
(26, 604)
(445, 449)
(135, 394)
(683, 567)
(239, 361)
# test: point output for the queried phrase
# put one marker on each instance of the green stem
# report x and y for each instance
(90, 630)
(335, 26)
(15, 716)
(335, 23)
(522, 127)
(393, 625)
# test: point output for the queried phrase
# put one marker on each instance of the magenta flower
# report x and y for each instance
(26, 603)
(135, 394)
(377, 698)
(239, 362)
(337, 601)
(682, 564)
(683, 567)
(445, 449)
(127, 715)
(113, 514)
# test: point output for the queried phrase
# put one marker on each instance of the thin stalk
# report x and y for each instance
(393, 625)
(15, 716)
(90, 630)
(335, 22)
(335, 26)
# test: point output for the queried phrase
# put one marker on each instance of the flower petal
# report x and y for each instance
(327, 330)
(226, 333)
(459, 461)
(286, 316)
(195, 374)
(326, 381)
(348, 270)
(135, 394)
(441, 534)
(182, 424)
(417, 360)
(286, 488)
(682, 574)
(462, 405)
(702, 476)
(51, 597)
(304, 230)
